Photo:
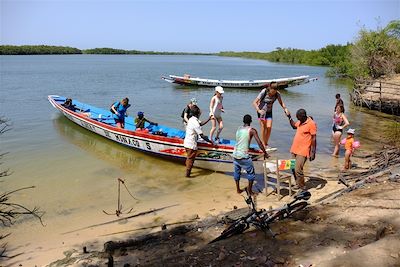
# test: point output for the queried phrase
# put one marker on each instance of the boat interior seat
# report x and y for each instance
(164, 131)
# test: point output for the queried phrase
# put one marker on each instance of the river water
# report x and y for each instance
(74, 171)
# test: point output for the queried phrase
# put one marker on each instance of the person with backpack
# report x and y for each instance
(118, 109)
(263, 105)
(186, 112)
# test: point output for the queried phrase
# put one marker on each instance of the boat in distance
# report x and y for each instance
(157, 140)
(256, 84)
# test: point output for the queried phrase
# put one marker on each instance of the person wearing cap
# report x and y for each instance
(348, 145)
(193, 131)
(140, 120)
(216, 109)
(119, 111)
(304, 144)
(263, 105)
(187, 113)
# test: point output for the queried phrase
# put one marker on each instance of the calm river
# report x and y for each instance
(75, 171)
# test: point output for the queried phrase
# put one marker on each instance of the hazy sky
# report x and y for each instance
(191, 26)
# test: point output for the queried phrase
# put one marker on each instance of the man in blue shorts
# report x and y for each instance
(241, 157)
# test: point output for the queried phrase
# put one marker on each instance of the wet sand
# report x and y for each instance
(95, 189)
(206, 194)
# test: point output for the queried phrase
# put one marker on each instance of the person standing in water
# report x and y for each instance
(263, 105)
(339, 102)
(216, 109)
(241, 157)
(340, 122)
(193, 131)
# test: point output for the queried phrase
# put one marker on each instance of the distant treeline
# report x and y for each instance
(37, 50)
(373, 54)
(332, 55)
(63, 50)
(112, 51)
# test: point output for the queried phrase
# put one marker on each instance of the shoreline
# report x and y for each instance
(187, 242)
(206, 205)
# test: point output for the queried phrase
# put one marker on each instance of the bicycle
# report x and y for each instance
(261, 219)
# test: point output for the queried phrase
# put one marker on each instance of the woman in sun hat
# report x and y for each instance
(216, 109)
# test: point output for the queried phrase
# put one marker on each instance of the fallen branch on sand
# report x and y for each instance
(122, 219)
(111, 246)
(380, 161)
(360, 183)
(381, 164)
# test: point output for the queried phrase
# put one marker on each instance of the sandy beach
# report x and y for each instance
(214, 195)
(331, 232)
(204, 206)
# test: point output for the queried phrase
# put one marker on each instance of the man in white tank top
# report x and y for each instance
(241, 158)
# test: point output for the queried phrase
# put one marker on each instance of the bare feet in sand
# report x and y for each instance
(239, 191)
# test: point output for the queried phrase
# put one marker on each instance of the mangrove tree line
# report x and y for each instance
(373, 54)
(64, 50)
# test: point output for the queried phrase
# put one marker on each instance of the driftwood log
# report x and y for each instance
(379, 162)
(111, 246)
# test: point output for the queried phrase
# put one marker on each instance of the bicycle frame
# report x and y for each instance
(262, 219)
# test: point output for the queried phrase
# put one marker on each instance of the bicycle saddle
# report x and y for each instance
(303, 195)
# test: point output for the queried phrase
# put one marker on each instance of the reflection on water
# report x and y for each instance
(102, 148)
(149, 173)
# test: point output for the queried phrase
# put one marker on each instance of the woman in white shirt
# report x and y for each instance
(216, 109)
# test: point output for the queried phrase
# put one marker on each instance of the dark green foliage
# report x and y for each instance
(105, 50)
(112, 51)
(63, 50)
(374, 54)
(335, 56)
(37, 50)
(377, 53)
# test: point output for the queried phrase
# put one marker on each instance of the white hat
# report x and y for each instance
(219, 89)
(351, 131)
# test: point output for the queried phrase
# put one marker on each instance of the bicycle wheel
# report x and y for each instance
(274, 216)
(297, 207)
(284, 213)
(234, 229)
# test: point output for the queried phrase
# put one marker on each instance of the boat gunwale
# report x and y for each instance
(174, 141)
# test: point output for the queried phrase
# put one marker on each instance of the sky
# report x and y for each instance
(191, 25)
